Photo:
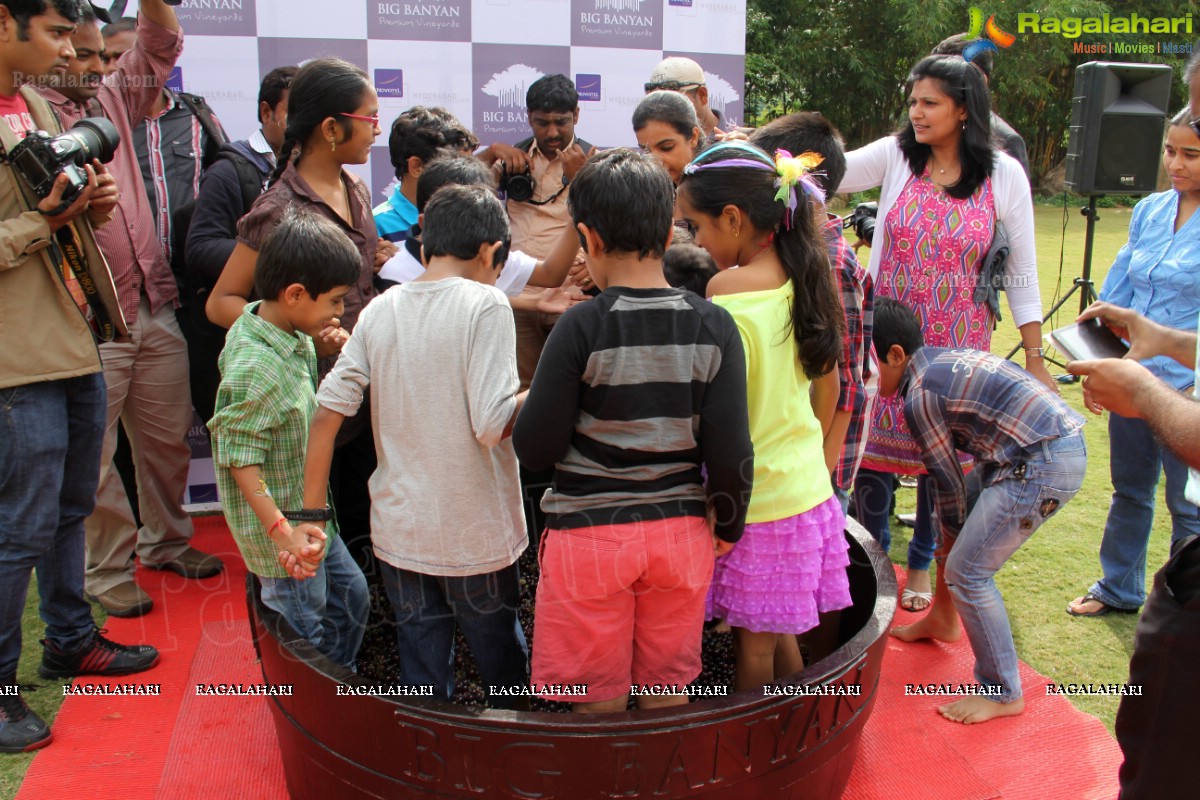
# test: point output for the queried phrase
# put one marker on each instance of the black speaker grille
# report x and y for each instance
(1129, 151)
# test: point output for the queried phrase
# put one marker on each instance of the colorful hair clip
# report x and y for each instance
(795, 170)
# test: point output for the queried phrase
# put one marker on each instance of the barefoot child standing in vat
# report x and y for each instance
(1030, 460)
(439, 356)
(265, 401)
(753, 215)
(636, 391)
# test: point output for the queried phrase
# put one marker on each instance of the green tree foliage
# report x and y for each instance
(848, 59)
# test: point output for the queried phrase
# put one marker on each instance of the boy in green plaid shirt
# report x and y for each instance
(264, 406)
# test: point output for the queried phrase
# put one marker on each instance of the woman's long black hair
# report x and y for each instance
(817, 316)
(326, 87)
(965, 85)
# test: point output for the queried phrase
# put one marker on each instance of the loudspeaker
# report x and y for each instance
(1118, 111)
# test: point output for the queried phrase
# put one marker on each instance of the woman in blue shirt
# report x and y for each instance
(1157, 274)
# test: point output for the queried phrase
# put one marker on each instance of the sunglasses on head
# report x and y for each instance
(672, 86)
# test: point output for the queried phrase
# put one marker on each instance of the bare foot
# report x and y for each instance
(975, 709)
(940, 627)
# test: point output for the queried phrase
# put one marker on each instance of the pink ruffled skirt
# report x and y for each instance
(783, 573)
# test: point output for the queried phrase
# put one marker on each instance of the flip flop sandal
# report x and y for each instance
(908, 595)
(1101, 611)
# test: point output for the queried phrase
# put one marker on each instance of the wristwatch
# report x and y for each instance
(310, 514)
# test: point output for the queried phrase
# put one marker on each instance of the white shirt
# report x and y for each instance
(440, 359)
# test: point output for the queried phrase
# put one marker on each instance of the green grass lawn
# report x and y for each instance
(1059, 562)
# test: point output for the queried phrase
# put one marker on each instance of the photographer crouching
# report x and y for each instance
(57, 299)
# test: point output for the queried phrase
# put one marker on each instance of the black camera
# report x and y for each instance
(40, 157)
(516, 186)
(862, 220)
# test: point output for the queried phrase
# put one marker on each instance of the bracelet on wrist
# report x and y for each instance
(275, 525)
(1035, 352)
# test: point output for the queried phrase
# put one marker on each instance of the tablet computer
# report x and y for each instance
(1085, 341)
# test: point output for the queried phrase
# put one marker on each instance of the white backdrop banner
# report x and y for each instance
(474, 57)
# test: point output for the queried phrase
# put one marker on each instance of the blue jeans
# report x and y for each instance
(485, 608)
(1135, 466)
(873, 510)
(50, 438)
(843, 499)
(329, 609)
(1005, 506)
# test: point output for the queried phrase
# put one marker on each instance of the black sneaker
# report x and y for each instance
(21, 730)
(96, 656)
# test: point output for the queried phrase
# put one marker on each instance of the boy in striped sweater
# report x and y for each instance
(637, 391)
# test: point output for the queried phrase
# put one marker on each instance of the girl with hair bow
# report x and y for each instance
(751, 213)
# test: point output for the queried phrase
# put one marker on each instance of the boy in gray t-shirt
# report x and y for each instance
(446, 518)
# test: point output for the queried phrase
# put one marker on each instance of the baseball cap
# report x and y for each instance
(675, 74)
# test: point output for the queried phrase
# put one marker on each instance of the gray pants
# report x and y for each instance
(147, 382)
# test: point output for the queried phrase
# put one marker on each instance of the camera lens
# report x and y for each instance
(520, 188)
(96, 137)
(517, 186)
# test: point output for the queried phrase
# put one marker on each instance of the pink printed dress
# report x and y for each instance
(933, 248)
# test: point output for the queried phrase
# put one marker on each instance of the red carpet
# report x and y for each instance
(182, 746)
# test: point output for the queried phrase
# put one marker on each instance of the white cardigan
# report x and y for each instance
(881, 163)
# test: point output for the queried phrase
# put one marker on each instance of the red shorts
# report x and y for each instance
(620, 605)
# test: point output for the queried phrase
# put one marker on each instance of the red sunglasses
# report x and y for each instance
(373, 120)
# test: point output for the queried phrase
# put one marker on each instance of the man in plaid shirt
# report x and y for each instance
(264, 406)
(809, 132)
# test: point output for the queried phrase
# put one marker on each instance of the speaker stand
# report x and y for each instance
(1083, 284)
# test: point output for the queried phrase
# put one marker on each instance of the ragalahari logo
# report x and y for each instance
(986, 35)
(508, 87)
(720, 92)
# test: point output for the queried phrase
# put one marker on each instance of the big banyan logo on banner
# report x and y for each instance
(721, 94)
(617, 23)
(432, 20)
(503, 74)
(218, 17)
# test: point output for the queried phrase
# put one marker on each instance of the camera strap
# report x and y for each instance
(68, 248)
(548, 200)
(64, 253)
(533, 148)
